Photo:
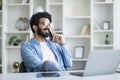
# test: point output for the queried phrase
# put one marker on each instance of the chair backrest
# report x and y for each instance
(22, 68)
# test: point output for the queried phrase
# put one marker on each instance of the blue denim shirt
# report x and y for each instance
(32, 55)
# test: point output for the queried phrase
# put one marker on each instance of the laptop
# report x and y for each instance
(100, 62)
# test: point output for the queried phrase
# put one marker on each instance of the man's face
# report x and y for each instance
(43, 27)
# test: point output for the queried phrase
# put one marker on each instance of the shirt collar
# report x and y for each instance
(33, 40)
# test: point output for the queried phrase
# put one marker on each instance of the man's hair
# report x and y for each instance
(35, 18)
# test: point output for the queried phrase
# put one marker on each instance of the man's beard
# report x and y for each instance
(40, 33)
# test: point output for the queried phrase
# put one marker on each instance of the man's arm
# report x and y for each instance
(66, 56)
(30, 57)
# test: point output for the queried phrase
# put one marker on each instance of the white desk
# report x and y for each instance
(32, 76)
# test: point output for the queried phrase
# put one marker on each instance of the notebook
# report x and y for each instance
(101, 62)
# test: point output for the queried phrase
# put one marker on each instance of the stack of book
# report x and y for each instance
(85, 30)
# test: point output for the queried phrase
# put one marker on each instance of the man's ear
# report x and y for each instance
(35, 27)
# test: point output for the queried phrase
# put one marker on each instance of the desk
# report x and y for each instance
(32, 76)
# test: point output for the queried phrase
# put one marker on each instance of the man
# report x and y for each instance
(41, 54)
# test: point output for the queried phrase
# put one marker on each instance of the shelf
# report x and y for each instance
(17, 4)
(102, 30)
(52, 4)
(87, 36)
(17, 32)
(75, 17)
(84, 59)
(12, 47)
(103, 45)
(102, 2)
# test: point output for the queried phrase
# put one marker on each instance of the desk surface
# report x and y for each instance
(32, 76)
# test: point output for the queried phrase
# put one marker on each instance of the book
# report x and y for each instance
(27, 38)
(86, 29)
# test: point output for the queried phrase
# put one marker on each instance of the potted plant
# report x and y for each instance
(14, 41)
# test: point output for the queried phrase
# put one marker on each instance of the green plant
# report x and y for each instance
(18, 40)
(14, 40)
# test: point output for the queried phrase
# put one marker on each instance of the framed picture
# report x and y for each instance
(79, 51)
(106, 25)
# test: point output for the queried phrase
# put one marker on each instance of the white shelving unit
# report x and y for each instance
(69, 17)
(77, 14)
(56, 8)
(102, 11)
(13, 9)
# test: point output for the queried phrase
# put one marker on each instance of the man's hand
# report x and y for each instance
(58, 38)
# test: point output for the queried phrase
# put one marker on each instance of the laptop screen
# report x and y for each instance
(102, 62)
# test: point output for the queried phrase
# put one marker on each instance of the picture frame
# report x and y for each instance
(106, 25)
(79, 51)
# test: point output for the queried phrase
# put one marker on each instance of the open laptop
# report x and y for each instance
(101, 62)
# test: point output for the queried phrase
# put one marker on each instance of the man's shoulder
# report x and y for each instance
(31, 42)
(26, 43)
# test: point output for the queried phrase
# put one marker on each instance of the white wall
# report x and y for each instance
(117, 24)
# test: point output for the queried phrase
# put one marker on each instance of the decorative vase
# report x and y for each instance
(15, 43)
(16, 66)
(107, 39)
(22, 24)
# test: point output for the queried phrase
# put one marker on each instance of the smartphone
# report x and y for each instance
(51, 36)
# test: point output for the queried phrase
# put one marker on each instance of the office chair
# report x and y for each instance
(22, 68)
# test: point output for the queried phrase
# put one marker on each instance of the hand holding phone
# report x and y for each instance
(58, 38)
(51, 36)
